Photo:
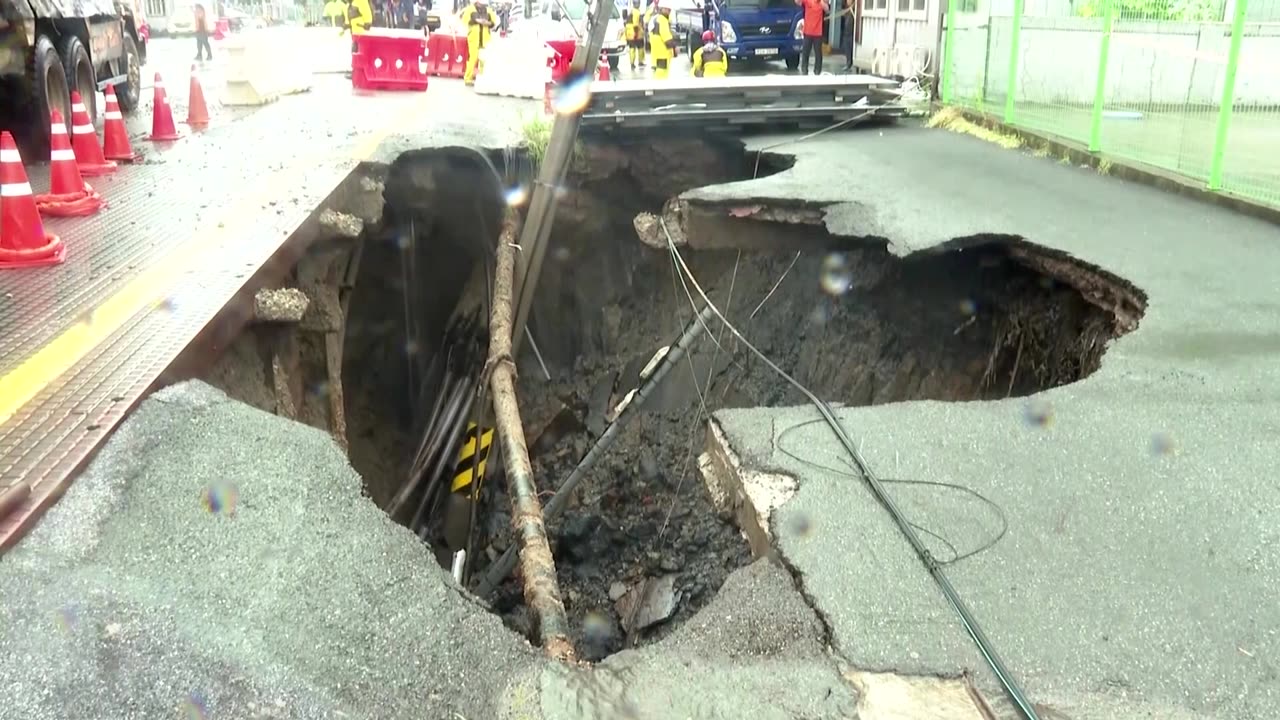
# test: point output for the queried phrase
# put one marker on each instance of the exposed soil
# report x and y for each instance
(987, 317)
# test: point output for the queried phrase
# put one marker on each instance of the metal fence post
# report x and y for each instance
(1228, 96)
(948, 51)
(1099, 93)
(1015, 33)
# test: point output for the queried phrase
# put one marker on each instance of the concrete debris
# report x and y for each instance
(598, 405)
(649, 226)
(286, 305)
(888, 696)
(751, 495)
(648, 603)
(341, 225)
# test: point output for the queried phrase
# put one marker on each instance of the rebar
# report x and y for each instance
(538, 570)
(503, 566)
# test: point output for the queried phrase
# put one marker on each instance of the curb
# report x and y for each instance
(1125, 169)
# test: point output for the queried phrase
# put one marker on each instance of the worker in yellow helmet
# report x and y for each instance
(662, 43)
(710, 60)
(636, 20)
(479, 21)
(359, 17)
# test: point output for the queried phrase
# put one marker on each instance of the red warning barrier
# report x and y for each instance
(23, 239)
(389, 60)
(561, 58)
(437, 55)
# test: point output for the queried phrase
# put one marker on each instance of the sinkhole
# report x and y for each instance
(980, 318)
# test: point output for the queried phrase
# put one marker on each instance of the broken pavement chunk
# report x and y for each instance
(652, 601)
(280, 305)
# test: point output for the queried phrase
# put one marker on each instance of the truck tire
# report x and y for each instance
(793, 62)
(80, 75)
(49, 85)
(129, 92)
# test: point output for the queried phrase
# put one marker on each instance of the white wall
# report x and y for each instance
(1150, 63)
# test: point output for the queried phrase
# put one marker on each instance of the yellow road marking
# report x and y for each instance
(150, 288)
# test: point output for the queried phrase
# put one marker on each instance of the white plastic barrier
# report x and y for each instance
(515, 67)
(262, 65)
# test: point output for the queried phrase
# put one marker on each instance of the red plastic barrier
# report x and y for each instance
(389, 60)
(437, 57)
(561, 58)
(458, 55)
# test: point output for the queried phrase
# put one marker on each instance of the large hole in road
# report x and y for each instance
(982, 318)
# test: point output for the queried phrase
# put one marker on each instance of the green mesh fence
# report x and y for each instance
(1188, 86)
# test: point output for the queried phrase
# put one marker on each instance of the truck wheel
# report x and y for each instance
(49, 80)
(793, 62)
(129, 92)
(80, 75)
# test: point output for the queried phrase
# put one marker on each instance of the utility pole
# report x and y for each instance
(555, 165)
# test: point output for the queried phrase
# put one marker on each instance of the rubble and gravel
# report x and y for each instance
(283, 305)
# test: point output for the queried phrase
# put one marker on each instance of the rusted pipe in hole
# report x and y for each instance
(537, 568)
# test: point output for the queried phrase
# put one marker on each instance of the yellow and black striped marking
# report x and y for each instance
(465, 469)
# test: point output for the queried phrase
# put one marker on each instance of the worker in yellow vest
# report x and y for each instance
(359, 17)
(636, 20)
(479, 20)
(662, 43)
(710, 60)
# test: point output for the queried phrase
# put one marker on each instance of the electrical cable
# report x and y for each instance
(957, 556)
(1010, 684)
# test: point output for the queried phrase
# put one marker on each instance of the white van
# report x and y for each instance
(572, 16)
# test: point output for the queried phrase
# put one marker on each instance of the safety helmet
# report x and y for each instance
(708, 36)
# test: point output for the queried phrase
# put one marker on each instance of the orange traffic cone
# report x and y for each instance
(84, 139)
(162, 127)
(23, 240)
(197, 112)
(115, 137)
(602, 67)
(69, 195)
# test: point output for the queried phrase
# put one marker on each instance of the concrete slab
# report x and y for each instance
(1140, 505)
(219, 561)
(189, 570)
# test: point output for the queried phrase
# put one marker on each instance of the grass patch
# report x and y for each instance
(535, 137)
(951, 118)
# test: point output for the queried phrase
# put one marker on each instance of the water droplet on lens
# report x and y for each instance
(837, 274)
(1163, 444)
(1038, 413)
(516, 196)
(968, 307)
(572, 97)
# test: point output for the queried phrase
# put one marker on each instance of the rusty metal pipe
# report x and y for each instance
(537, 568)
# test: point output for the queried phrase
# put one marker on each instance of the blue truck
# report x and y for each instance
(747, 29)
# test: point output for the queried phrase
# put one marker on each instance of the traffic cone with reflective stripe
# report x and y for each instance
(162, 127)
(115, 137)
(69, 195)
(23, 240)
(602, 67)
(197, 112)
(84, 140)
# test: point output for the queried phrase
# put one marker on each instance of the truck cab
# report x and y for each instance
(49, 49)
(752, 29)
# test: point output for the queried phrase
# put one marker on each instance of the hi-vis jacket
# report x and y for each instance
(662, 44)
(710, 60)
(478, 35)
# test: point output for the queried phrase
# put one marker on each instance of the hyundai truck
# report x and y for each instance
(49, 48)
(748, 29)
